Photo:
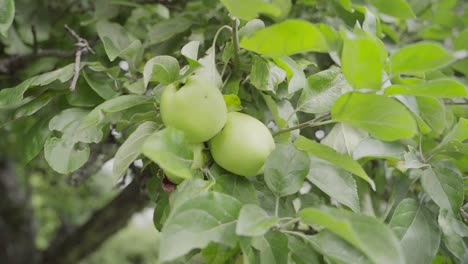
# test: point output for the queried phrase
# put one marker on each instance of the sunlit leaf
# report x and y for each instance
(444, 184)
(286, 169)
(420, 57)
(206, 218)
(254, 221)
(326, 153)
(130, 149)
(417, 230)
(372, 237)
(383, 117)
(436, 88)
(290, 37)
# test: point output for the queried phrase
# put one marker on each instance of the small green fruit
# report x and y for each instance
(197, 108)
(243, 145)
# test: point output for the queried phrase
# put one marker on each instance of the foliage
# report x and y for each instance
(386, 81)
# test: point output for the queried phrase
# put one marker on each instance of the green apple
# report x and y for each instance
(197, 108)
(243, 145)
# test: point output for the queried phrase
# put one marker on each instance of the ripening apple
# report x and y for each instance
(197, 108)
(243, 145)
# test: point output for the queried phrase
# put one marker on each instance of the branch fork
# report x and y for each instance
(82, 47)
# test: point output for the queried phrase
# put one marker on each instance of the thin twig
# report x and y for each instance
(421, 150)
(235, 42)
(312, 123)
(15, 63)
(77, 70)
(82, 47)
(34, 35)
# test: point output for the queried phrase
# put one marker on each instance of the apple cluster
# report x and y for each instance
(238, 142)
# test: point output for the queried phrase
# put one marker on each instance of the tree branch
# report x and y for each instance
(101, 225)
(100, 153)
(9, 65)
(82, 47)
(17, 230)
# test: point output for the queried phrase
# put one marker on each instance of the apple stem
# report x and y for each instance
(235, 42)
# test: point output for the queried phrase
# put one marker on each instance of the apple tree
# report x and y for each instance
(282, 131)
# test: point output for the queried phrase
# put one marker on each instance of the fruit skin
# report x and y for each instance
(197, 108)
(243, 145)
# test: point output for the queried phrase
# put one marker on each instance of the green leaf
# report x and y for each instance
(344, 138)
(34, 139)
(460, 43)
(83, 96)
(166, 29)
(383, 117)
(101, 84)
(250, 9)
(334, 247)
(116, 40)
(290, 37)
(458, 133)
(163, 69)
(432, 111)
(190, 51)
(283, 112)
(436, 88)
(254, 221)
(238, 187)
(302, 252)
(285, 169)
(444, 184)
(295, 74)
(64, 155)
(453, 232)
(265, 75)
(362, 61)
(188, 190)
(322, 91)
(419, 234)
(137, 87)
(34, 105)
(68, 122)
(419, 58)
(218, 254)
(70, 151)
(130, 149)
(273, 248)
(12, 96)
(208, 68)
(372, 237)
(250, 27)
(233, 102)
(397, 8)
(373, 148)
(335, 182)
(330, 155)
(7, 14)
(170, 150)
(117, 104)
(207, 218)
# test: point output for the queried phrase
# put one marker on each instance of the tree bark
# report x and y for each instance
(17, 230)
(102, 224)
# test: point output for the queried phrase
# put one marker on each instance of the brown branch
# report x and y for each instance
(17, 230)
(35, 45)
(101, 225)
(9, 65)
(82, 47)
(100, 153)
